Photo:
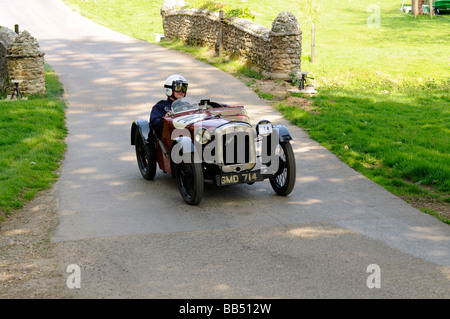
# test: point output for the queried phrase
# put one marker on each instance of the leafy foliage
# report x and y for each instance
(229, 12)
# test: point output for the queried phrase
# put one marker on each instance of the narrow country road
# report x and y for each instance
(134, 238)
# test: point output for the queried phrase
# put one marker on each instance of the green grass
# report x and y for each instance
(31, 144)
(383, 102)
(396, 139)
(140, 19)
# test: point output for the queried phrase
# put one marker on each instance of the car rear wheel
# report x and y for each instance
(146, 157)
(284, 180)
(190, 181)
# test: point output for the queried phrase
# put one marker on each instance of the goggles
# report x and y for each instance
(179, 86)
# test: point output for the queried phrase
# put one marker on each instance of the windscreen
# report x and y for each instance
(184, 104)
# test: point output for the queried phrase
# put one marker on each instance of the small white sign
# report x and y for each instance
(264, 129)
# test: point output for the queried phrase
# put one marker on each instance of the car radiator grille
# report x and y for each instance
(236, 148)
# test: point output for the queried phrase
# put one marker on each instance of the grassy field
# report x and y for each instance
(383, 102)
(31, 144)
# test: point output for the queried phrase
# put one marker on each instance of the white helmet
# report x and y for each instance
(175, 83)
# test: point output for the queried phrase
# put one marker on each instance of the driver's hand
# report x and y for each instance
(169, 113)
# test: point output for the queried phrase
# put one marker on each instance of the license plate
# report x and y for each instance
(238, 178)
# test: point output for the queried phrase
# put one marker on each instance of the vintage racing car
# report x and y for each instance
(214, 143)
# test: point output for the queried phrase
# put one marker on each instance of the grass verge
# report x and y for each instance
(31, 144)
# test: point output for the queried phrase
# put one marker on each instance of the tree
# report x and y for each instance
(310, 11)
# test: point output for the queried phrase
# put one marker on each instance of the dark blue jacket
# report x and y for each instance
(158, 111)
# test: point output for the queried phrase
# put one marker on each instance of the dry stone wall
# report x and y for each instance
(22, 59)
(276, 52)
(7, 37)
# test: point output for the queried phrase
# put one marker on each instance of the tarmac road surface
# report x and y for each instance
(134, 238)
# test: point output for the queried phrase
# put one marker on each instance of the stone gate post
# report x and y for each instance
(285, 40)
(25, 62)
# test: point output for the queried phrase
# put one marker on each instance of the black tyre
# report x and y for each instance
(284, 180)
(146, 157)
(190, 181)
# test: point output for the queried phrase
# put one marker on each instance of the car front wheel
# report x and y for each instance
(284, 180)
(190, 181)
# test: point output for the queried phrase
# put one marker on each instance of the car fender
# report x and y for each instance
(144, 130)
(187, 148)
(185, 143)
(283, 133)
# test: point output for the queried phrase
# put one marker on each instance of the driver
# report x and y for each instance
(175, 88)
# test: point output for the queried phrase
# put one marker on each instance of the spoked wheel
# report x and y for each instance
(146, 157)
(190, 181)
(284, 180)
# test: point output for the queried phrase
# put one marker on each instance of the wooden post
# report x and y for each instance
(431, 9)
(220, 33)
(16, 28)
(313, 43)
(415, 7)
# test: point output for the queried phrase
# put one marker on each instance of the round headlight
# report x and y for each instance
(264, 128)
(202, 135)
